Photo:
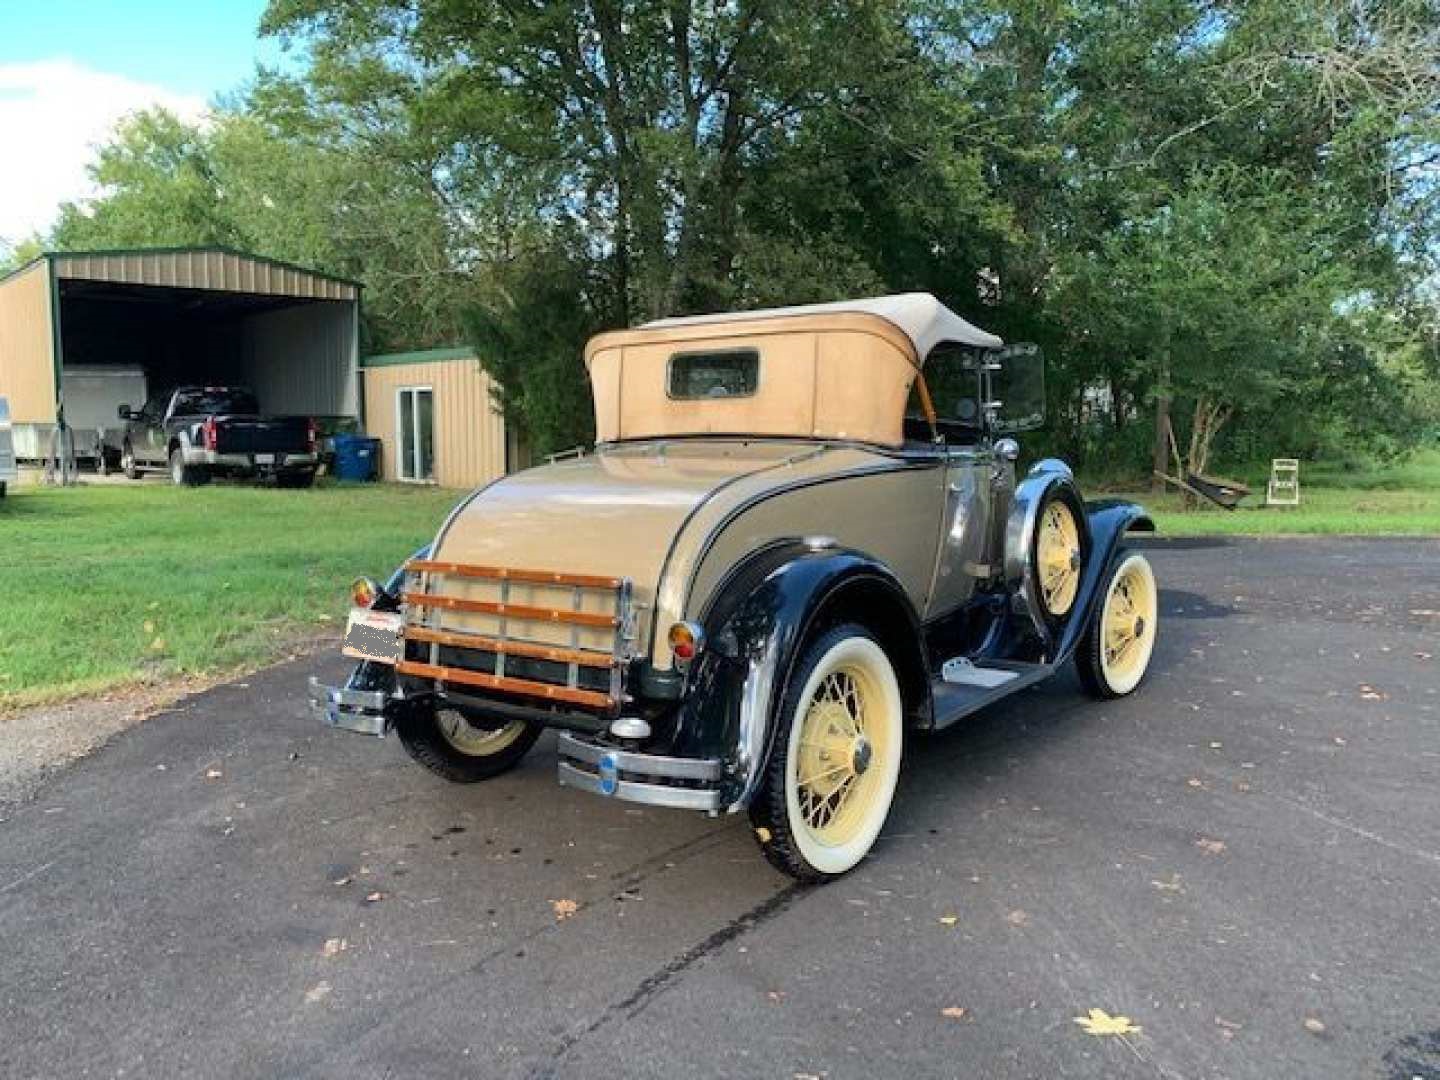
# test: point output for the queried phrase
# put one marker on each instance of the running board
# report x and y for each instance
(965, 688)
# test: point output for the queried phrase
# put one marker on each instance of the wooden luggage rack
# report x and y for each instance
(426, 608)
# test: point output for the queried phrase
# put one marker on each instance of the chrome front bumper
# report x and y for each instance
(361, 711)
(686, 783)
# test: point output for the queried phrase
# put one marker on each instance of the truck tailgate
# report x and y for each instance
(283, 435)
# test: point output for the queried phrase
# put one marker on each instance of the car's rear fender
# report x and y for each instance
(756, 628)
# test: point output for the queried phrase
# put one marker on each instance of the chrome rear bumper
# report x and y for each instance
(686, 783)
(361, 711)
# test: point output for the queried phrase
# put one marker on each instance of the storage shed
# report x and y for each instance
(82, 332)
(435, 415)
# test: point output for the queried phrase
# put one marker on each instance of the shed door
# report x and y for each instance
(415, 432)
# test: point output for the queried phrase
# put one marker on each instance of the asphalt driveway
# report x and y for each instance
(1243, 858)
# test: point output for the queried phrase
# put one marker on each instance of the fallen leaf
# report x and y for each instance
(1195, 782)
(318, 992)
(955, 1012)
(158, 645)
(1210, 847)
(1314, 1026)
(1424, 656)
(949, 920)
(564, 908)
(1099, 1022)
(335, 946)
(775, 996)
(213, 774)
(375, 897)
(762, 834)
(149, 626)
(1018, 918)
(1173, 885)
(342, 880)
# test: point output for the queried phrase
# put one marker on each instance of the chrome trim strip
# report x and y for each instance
(645, 764)
(650, 794)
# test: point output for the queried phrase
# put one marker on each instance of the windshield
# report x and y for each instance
(214, 400)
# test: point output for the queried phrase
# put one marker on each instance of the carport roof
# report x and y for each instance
(215, 268)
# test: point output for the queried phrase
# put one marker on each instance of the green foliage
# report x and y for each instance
(1232, 205)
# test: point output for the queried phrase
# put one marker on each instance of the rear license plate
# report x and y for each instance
(264, 459)
(375, 635)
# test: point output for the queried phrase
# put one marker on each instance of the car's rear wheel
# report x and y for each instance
(832, 776)
(1115, 651)
(295, 478)
(186, 475)
(465, 746)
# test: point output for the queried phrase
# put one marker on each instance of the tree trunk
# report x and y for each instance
(1160, 459)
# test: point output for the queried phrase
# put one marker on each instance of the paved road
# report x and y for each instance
(1250, 842)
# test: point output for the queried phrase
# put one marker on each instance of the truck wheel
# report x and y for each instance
(300, 478)
(464, 747)
(832, 774)
(127, 463)
(186, 475)
(1115, 651)
(1057, 555)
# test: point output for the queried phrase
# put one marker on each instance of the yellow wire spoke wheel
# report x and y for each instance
(1117, 648)
(1057, 557)
(475, 741)
(844, 755)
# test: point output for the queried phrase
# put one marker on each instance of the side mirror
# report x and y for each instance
(1017, 388)
(124, 412)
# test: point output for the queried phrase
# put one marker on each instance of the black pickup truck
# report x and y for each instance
(197, 432)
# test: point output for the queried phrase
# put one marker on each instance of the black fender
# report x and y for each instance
(756, 627)
(1108, 520)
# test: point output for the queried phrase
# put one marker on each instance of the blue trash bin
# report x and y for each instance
(357, 457)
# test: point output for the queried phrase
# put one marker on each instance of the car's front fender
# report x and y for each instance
(1109, 520)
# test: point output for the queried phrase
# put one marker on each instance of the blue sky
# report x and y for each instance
(69, 69)
(194, 48)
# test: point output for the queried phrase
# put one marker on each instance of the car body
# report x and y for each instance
(770, 562)
(9, 472)
(199, 432)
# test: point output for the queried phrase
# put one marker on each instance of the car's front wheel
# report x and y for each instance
(1115, 651)
(832, 776)
(465, 747)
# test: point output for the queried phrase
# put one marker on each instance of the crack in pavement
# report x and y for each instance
(656, 982)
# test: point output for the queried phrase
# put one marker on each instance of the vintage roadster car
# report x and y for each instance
(799, 539)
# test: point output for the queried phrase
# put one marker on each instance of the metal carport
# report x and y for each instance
(178, 316)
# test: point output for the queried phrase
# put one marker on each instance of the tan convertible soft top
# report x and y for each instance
(828, 371)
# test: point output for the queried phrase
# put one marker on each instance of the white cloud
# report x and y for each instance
(53, 113)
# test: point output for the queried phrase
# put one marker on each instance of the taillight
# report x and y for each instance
(364, 592)
(310, 434)
(207, 432)
(686, 641)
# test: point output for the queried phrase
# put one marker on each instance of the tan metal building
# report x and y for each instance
(174, 317)
(435, 414)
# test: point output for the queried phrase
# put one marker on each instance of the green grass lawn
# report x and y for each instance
(1401, 499)
(104, 585)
